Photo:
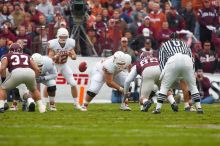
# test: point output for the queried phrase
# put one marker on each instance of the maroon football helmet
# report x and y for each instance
(15, 47)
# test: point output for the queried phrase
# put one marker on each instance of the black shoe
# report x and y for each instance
(156, 111)
(174, 107)
(200, 111)
(146, 106)
(2, 110)
(6, 106)
(31, 107)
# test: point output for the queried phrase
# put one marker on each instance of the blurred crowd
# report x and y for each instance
(111, 25)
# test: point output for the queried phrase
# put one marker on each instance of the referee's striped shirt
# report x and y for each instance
(170, 48)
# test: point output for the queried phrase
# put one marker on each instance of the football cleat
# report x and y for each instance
(174, 107)
(52, 107)
(156, 111)
(146, 106)
(189, 109)
(13, 108)
(31, 107)
(6, 106)
(81, 108)
(125, 107)
(200, 111)
(2, 110)
(42, 108)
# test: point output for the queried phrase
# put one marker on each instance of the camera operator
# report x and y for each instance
(203, 84)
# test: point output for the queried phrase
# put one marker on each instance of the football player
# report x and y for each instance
(22, 69)
(48, 75)
(59, 50)
(148, 68)
(112, 71)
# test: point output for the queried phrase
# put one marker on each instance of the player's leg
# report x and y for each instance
(31, 84)
(9, 83)
(68, 75)
(50, 92)
(150, 76)
(96, 83)
(28, 103)
(189, 77)
(170, 74)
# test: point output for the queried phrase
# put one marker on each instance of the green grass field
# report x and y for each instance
(105, 124)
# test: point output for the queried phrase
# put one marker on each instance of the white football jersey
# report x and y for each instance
(48, 69)
(109, 65)
(63, 51)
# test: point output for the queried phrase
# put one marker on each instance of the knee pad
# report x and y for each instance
(91, 94)
(51, 89)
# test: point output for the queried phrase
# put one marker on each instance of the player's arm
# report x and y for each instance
(131, 76)
(52, 74)
(72, 54)
(4, 65)
(52, 54)
(110, 82)
(35, 67)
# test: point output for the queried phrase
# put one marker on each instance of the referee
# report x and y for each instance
(176, 61)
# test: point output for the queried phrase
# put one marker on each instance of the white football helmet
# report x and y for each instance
(38, 59)
(62, 35)
(119, 60)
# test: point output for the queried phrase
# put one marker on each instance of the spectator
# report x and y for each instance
(138, 9)
(47, 9)
(35, 14)
(3, 46)
(27, 20)
(97, 8)
(206, 59)
(148, 48)
(105, 16)
(176, 22)
(126, 49)
(164, 34)
(25, 39)
(6, 15)
(203, 84)
(5, 32)
(157, 17)
(133, 27)
(146, 24)
(189, 17)
(18, 15)
(207, 16)
(41, 40)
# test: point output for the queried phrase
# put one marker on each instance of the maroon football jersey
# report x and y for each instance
(144, 63)
(17, 60)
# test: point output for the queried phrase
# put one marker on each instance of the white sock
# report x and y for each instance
(186, 104)
(51, 99)
(2, 102)
(170, 98)
(40, 103)
(30, 100)
(198, 105)
(75, 100)
(144, 100)
(159, 105)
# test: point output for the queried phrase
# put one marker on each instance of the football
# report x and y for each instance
(82, 66)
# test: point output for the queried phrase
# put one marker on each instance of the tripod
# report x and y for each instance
(82, 40)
